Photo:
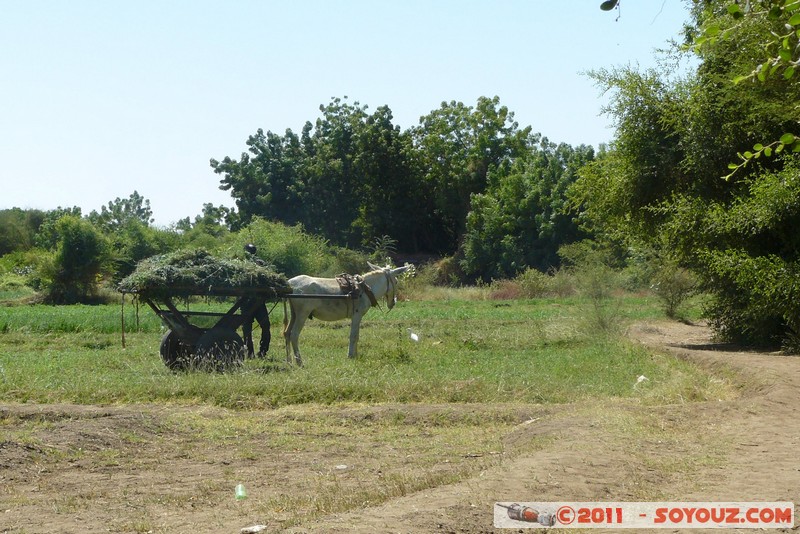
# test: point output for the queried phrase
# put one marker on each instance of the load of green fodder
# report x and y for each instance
(197, 272)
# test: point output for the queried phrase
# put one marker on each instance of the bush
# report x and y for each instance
(35, 266)
(448, 272)
(80, 259)
(534, 283)
(562, 283)
(288, 248)
(345, 260)
(756, 300)
(292, 251)
(673, 285)
(505, 290)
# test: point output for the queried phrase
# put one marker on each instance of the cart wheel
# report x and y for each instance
(176, 354)
(219, 349)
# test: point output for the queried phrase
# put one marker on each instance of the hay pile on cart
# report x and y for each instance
(197, 272)
(180, 275)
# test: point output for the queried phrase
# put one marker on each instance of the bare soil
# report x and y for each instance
(69, 468)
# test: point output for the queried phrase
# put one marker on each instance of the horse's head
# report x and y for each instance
(391, 280)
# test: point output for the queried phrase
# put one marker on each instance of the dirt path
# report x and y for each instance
(741, 450)
(66, 468)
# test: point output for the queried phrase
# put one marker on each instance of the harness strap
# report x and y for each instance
(390, 286)
(368, 292)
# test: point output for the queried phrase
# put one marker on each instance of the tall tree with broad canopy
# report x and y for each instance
(267, 181)
(457, 146)
(347, 178)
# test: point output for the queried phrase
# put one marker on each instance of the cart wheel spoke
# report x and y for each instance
(176, 355)
(219, 349)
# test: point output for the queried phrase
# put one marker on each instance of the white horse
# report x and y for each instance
(381, 282)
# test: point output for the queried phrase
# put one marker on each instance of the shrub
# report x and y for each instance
(534, 283)
(673, 285)
(756, 300)
(505, 290)
(345, 260)
(288, 248)
(562, 283)
(80, 259)
(448, 272)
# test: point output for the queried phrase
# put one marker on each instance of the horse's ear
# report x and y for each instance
(374, 267)
(401, 270)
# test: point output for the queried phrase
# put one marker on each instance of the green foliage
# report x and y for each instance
(80, 259)
(593, 268)
(661, 186)
(746, 252)
(136, 241)
(522, 219)
(292, 251)
(18, 228)
(536, 284)
(614, 193)
(770, 29)
(47, 237)
(382, 249)
(674, 285)
(759, 302)
(120, 212)
(348, 178)
(353, 177)
(457, 147)
(34, 266)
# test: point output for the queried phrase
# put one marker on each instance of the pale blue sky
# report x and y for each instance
(100, 98)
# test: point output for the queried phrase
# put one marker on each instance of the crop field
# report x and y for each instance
(160, 451)
(467, 351)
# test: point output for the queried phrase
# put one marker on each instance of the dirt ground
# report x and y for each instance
(67, 468)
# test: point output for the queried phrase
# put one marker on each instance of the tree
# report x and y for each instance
(348, 178)
(522, 219)
(354, 177)
(333, 185)
(121, 211)
(664, 184)
(267, 181)
(457, 146)
(18, 228)
(134, 242)
(389, 193)
(81, 257)
(47, 236)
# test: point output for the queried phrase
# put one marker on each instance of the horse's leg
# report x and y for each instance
(355, 326)
(287, 330)
(297, 323)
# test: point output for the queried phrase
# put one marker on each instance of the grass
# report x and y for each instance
(535, 351)
(340, 434)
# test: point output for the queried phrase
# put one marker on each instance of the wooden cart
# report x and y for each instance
(189, 346)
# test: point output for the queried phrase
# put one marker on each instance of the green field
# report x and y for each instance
(469, 351)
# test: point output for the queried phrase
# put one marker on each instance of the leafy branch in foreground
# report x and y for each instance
(776, 147)
(782, 49)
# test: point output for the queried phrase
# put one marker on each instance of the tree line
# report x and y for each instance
(446, 186)
(466, 182)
